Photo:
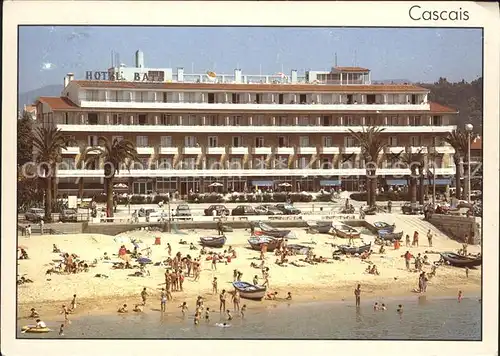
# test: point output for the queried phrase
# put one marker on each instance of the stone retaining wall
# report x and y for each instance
(456, 227)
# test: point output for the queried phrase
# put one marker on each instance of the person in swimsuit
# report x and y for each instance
(184, 308)
(34, 313)
(163, 302)
(144, 295)
(61, 330)
(222, 298)
(65, 311)
(40, 324)
(123, 309)
(73, 302)
(460, 296)
(289, 296)
(400, 309)
(243, 310)
(214, 286)
(383, 307)
(229, 316)
(207, 314)
(357, 294)
(376, 307)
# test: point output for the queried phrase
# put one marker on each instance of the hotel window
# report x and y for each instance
(117, 138)
(164, 96)
(258, 120)
(237, 141)
(117, 119)
(140, 96)
(92, 118)
(349, 141)
(114, 96)
(235, 163)
(210, 120)
(211, 98)
(258, 98)
(259, 141)
(235, 120)
(165, 163)
(213, 163)
(92, 95)
(326, 163)
(304, 121)
(93, 140)
(166, 141)
(303, 162)
(180, 97)
(393, 141)
(282, 121)
(163, 120)
(394, 121)
(67, 163)
(350, 99)
(415, 141)
(190, 141)
(304, 141)
(144, 163)
(414, 120)
(350, 121)
(235, 98)
(327, 141)
(190, 120)
(189, 97)
(436, 121)
(142, 141)
(142, 119)
(213, 141)
(326, 120)
(370, 121)
(303, 98)
(282, 141)
(438, 141)
(189, 163)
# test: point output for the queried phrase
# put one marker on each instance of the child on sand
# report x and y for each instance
(243, 310)
(34, 313)
(229, 316)
(123, 309)
(271, 295)
(137, 308)
(255, 280)
(214, 286)
(289, 296)
(184, 308)
(460, 296)
(73, 302)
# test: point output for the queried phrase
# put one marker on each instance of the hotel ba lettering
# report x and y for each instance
(244, 131)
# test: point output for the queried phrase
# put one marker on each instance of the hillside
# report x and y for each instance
(29, 97)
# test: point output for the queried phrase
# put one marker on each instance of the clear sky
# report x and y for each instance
(47, 53)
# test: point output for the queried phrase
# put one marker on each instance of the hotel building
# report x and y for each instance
(241, 130)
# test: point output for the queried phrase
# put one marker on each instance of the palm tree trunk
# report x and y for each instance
(413, 187)
(466, 178)
(422, 188)
(109, 196)
(458, 183)
(373, 193)
(368, 188)
(48, 199)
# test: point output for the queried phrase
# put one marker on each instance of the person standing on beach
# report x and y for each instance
(169, 248)
(400, 309)
(73, 302)
(266, 279)
(214, 262)
(222, 298)
(41, 226)
(65, 311)
(236, 300)
(28, 231)
(163, 302)
(466, 272)
(214, 286)
(407, 240)
(357, 294)
(415, 238)
(407, 256)
(243, 310)
(460, 296)
(207, 314)
(429, 237)
(255, 280)
(144, 295)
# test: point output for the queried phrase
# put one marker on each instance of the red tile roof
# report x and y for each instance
(373, 88)
(438, 108)
(352, 69)
(58, 103)
(476, 144)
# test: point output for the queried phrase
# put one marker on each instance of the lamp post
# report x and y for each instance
(468, 129)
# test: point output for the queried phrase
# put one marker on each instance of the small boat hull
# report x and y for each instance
(256, 243)
(213, 241)
(354, 250)
(321, 227)
(299, 249)
(270, 231)
(33, 329)
(346, 232)
(390, 236)
(382, 226)
(461, 261)
(250, 291)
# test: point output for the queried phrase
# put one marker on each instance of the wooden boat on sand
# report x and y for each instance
(271, 231)
(390, 236)
(457, 260)
(299, 249)
(213, 241)
(352, 250)
(345, 231)
(383, 226)
(256, 242)
(250, 291)
(323, 227)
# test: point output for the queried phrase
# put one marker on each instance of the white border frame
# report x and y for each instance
(252, 13)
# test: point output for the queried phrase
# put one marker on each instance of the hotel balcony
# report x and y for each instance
(238, 150)
(73, 150)
(250, 106)
(262, 151)
(192, 150)
(329, 150)
(244, 172)
(307, 150)
(445, 149)
(145, 150)
(350, 150)
(285, 150)
(395, 149)
(248, 129)
(169, 150)
(216, 150)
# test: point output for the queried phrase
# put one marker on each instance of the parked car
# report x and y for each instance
(242, 210)
(68, 215)
(183, 212)
(288, 209)
(268, 209)
(412, 209)
(34, 214)
(218, 208)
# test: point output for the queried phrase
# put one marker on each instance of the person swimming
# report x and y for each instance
(383, 307)
(400, 309)
(229, 316)
(207, 314)
(376, 306)
(222, 325)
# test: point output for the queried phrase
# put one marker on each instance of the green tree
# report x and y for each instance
(113, 155)
(372, 144)
(458, 140)
(414, 161)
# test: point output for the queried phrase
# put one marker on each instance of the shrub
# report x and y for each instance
(324, 197)
(386, 196)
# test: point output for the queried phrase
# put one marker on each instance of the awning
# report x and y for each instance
(329, 183)
(439, 181)
(263, 183)
(396, 181)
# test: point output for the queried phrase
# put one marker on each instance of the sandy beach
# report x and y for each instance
(324, 281)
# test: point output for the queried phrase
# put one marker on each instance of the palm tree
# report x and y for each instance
(414, 161)
(47, 146)
(371, 142)
(113, 155)
(458, 140)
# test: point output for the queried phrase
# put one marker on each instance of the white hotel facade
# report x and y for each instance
(243, 131)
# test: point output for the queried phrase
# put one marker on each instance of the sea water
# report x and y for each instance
(422, 319)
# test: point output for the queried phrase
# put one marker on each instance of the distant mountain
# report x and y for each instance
(391, 81)
(29, 97)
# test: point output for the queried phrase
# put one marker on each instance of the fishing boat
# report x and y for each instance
(299, 249)
(250, 291)
(345, 232)
(390, 236)
(257, 241)
(352, 250)
(271, 231)
(370, 210)
(323, 227)
(383, 226)
(457, 260)
(213, 241)
(34, 329)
